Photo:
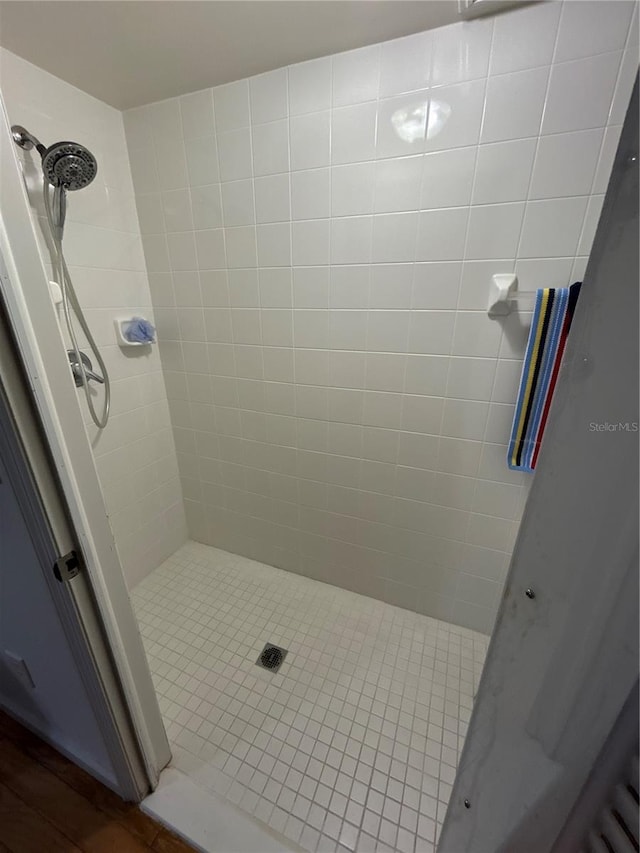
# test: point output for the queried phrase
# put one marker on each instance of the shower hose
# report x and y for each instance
(70, 302)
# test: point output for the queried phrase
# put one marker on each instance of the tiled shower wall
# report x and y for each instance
(135, 455)
(320, 241)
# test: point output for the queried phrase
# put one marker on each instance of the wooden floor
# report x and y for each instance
(48, 805)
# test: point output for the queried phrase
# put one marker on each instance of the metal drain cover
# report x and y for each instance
(271, 657)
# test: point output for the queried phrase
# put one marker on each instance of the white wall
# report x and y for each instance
(135, 454)
(340, 400)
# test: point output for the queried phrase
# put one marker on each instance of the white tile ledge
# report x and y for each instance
(208, 823)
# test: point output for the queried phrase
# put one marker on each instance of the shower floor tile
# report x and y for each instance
(353, 744)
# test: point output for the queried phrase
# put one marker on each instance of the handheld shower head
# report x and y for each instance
(69, 165)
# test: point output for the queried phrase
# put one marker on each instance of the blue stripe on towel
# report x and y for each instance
(549, 358)
(545, 345)
(520, 402)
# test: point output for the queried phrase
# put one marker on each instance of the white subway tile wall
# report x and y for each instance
(135, 455)
(320, 241)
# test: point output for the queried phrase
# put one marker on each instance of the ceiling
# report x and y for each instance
(132, 52)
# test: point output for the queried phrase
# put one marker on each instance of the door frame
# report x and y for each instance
(99, 607)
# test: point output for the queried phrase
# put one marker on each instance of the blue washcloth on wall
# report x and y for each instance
(547, 339)
(139, 331)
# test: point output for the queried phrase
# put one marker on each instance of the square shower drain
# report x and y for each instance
(271, 657)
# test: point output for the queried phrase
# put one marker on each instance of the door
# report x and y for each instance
(52, 678)
(40, 670)
(564, 655)
(97, 609)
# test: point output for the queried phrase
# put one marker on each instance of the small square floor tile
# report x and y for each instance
(352, 744)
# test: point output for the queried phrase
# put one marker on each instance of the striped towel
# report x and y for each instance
(551, 323)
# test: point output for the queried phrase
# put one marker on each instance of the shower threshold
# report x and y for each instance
(352, 745)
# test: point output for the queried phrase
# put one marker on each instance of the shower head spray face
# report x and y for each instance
(69, 165)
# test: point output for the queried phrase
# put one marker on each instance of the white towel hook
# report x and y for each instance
(503, 292)
(502, 288)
